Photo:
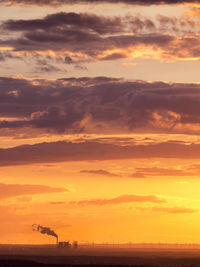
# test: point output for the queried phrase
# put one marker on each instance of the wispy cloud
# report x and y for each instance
(174, 210)
(100, 172)
(155, 171)
(13, 190)
(120, 200)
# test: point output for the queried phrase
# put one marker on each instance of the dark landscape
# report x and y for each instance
(19, 255)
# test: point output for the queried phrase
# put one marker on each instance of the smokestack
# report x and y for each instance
(44, 230)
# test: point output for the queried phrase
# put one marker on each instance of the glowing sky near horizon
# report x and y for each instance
(100, 121)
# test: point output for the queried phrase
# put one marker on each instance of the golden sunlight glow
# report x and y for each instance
(6, 48)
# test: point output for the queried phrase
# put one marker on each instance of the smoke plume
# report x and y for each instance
(44, 230)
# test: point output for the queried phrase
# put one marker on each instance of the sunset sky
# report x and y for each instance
(100, 120)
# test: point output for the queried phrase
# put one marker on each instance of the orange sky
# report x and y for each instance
(99, 121)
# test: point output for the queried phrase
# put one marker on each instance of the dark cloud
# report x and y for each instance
(86, 37)
(100, 172)
(120, 200)
(85, 151)
(93, 45)
(59, 24)
(114, 56)
(62, 2)
(13, 190)
(101, 104)
(64, 21)
(68, 60)
(45, 66)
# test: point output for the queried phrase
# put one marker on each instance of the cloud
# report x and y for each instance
(62, 2)
(13, 190)
(63, 20)
(68, 60)
(45, 66)
(98, 105)
(7, 55)
(82, 37)
(138, 175)
(89, 46)
(155, 171)
(100, 172)
(88, 150)
(120, 200)
(174, 210)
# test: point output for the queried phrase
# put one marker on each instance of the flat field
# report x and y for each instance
(105, 255)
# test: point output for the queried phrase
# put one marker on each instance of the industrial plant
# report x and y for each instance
(48, 231)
